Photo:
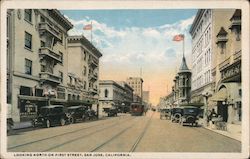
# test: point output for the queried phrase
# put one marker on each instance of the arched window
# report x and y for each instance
(106, 93)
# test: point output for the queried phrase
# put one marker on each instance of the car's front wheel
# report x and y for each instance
(62, 121)
(47, 123)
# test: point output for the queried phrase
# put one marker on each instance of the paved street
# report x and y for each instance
(124, 133)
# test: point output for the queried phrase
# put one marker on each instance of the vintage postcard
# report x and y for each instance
(124, 79)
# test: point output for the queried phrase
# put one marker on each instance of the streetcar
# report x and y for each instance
(136, 109)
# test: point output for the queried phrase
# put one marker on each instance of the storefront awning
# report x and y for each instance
(221, 95)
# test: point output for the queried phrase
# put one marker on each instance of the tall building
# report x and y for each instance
(36, 60)
(202, 32)
(114, 94)
(216, 36)
(226, 66)
(83, 71)
(137, 84)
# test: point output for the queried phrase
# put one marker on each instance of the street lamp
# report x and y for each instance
(206, 95)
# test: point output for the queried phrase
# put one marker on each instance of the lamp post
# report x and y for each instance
(206, 95)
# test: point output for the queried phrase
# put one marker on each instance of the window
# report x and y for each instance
(42, 19)
(42, 44)
(85, 71)
(61, 56)
(85, 84)
(28, 40)
(106, 93)
(25, 91)
(85, 55)
(28, 15)
(28, 67)
(61, 76)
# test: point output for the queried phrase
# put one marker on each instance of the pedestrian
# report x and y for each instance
(212, 115)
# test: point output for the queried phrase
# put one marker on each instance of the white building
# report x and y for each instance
(114, 94)
(83, 71)
(36, 60)
(137, 84)
(201, 32)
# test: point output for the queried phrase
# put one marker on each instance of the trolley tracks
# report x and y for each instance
(132, 149)
(67, 133)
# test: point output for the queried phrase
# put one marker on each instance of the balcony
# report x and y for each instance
(46, 28)
(237, 56)
(93, 62)
(93, 90)
(93, 77)
(224, 64)
(47, 53)
(47, 77)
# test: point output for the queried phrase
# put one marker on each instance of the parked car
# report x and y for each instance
(190, 115)
(176, 114)
(51, 115)
(111, 111)
(165, 113)
(77, 113)
(91, 114)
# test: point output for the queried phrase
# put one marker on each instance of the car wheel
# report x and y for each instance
(71, 120)
(62, 122)
(47, 123)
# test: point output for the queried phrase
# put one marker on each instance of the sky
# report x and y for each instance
(137, 42)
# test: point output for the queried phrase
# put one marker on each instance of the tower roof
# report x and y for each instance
(183, 67)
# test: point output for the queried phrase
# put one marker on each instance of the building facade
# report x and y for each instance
(83, 72)
(127, 96)
(113, 94)
(202, 32)
(137, 84)
(36, 60)
(226, 66)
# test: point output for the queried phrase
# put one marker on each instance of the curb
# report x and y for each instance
(221, 134)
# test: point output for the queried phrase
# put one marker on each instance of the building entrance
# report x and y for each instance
(222, 110)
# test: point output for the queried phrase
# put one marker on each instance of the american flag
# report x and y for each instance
(87, 27)
(179, 37)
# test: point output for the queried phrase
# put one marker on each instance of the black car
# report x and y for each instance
(77, 113)
(51, 115)
(190, 115)
(165, 113)
(111, 111)
(176, 114)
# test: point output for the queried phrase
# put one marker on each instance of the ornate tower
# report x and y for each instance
(184, 82)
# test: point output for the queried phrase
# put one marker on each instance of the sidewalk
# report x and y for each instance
(233, 131)
(22, 125)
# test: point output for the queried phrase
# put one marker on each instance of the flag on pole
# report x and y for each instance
(179, 37)
(87, 27)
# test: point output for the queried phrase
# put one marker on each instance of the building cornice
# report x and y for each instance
(85, 42)
(196, 20)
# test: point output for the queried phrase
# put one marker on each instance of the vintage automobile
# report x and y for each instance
(111, 111)
(51, 115)
(76, 113)
(91, 114)
(190, 115)
(176, 114)
(165, 113)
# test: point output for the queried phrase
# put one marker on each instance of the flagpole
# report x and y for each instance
(183, 44)
(91, 31)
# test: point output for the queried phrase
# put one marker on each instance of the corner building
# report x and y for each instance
(36, 60)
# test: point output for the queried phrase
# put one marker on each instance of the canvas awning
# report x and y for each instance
(221, 95)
